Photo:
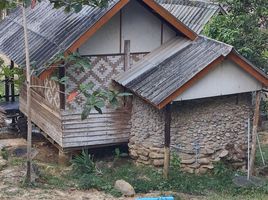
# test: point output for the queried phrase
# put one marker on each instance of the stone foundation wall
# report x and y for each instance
(202, 132)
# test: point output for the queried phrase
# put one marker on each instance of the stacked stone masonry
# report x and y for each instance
(202, 132)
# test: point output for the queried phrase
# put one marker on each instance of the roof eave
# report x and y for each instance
(235, 57)
(189, 83)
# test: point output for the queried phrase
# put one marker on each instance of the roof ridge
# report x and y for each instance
(190, 2)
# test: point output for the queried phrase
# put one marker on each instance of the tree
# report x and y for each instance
(244, 27)
(69, 5)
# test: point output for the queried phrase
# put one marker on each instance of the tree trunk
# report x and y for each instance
(254, 133)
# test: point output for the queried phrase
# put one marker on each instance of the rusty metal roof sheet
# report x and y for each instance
(50, 31)
(169, 67)
(194, 14)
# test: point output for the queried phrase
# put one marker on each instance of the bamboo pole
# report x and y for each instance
(254, 133)
(167, 141)
(28, 83)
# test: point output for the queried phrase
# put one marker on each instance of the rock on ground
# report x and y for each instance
(125, 188)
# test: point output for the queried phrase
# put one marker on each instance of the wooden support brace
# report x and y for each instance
(254, 133)
(167, 140)
(127, 54)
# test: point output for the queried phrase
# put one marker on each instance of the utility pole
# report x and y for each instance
(28, 84)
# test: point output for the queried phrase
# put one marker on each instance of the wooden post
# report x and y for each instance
(167, 140)
(127, 100)
(126, 55)
(254, 133)
(28, 83)
(12, 84)
(62, 88)
(7, 89)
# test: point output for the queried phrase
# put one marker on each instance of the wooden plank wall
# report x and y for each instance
(111, 127)
(44, 115)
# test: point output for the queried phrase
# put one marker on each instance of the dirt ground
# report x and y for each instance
(11, 177)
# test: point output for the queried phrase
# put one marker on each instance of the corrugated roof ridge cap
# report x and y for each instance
(189, 2)
(135, 71)
(228, 46)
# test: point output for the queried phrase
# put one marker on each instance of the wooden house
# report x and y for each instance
(157, 28)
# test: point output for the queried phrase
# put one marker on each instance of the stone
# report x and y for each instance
(208, 166)
(125, 188)
(145, 152)
(217, 122)
(203, 161)
(185, 156)
(158, 162)
(190, 161)
(133, 154)
(203, 170)
(188, 170)
(145, 162)
(223, 153)
(156, 155)
(209, 151)
(143, 158)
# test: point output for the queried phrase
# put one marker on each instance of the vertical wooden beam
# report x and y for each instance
(12, 84)
(29, 100)
(120, 31)
(126, 55)
(167, 140)
(254, 132)
(127, 100)
(62, 88)
(7, 89)
(162, 32)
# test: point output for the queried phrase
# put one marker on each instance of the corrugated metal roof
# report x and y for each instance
(177, 62)
(50, 31)
(194, 14)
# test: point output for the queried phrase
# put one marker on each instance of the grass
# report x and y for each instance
(259, 162)
(146, 179)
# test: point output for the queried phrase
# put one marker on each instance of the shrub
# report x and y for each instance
(175, 162)
(83, 164)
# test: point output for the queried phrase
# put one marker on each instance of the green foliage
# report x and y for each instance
(68, 5)
(145, 179)
(15, 75)
(243, 27)
(175, 162)
(98, 99)
(220, 169)
(4, 153)
(264, 107)
(93, 181)
(117, 153)
(76, 5)
(83, 164)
